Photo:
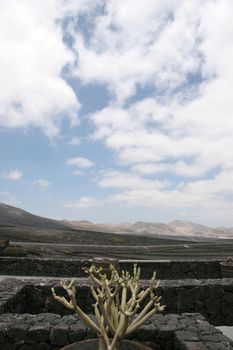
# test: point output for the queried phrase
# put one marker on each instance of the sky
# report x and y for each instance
(117, 111)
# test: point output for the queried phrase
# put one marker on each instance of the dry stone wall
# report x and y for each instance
(212, 298)
(30, 319)
(162, 332)
(188, 269)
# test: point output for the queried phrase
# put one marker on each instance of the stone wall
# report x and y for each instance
(212, 298)
(25, 323)
(75, 268)
(162, 332)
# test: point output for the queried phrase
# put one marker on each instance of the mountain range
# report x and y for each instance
(15, 217)
(174, 229)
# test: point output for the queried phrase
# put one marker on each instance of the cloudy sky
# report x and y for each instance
(118, 110)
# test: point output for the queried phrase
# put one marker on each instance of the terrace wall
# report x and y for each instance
(31, 319)
(51, 332)
(212, 298)
(167, 269)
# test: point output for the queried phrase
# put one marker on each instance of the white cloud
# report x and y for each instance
(13, 175)
(84, 202)
(80, 162)
(78, 173)
(174, 139)
(128, 180)
(42, 183)
(135, 43)
(204, 197)
(33, 92)
(181, 132)
(191, 136)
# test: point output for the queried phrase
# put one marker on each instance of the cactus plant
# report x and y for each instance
(117, 304)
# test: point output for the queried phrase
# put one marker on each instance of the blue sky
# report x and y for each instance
(117, 111)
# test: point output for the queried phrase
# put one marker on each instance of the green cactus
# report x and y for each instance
(117, 316)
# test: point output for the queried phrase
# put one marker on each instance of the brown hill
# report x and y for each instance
(19, 225)
(12, 216)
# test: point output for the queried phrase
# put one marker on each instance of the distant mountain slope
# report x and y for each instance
(12, 216)
(186, 227)
(19, 225)
(176, 229)
(84, 231)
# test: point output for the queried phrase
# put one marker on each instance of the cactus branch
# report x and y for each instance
(72, 305)
(101, 324)
(106, 318)
(113, 310)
